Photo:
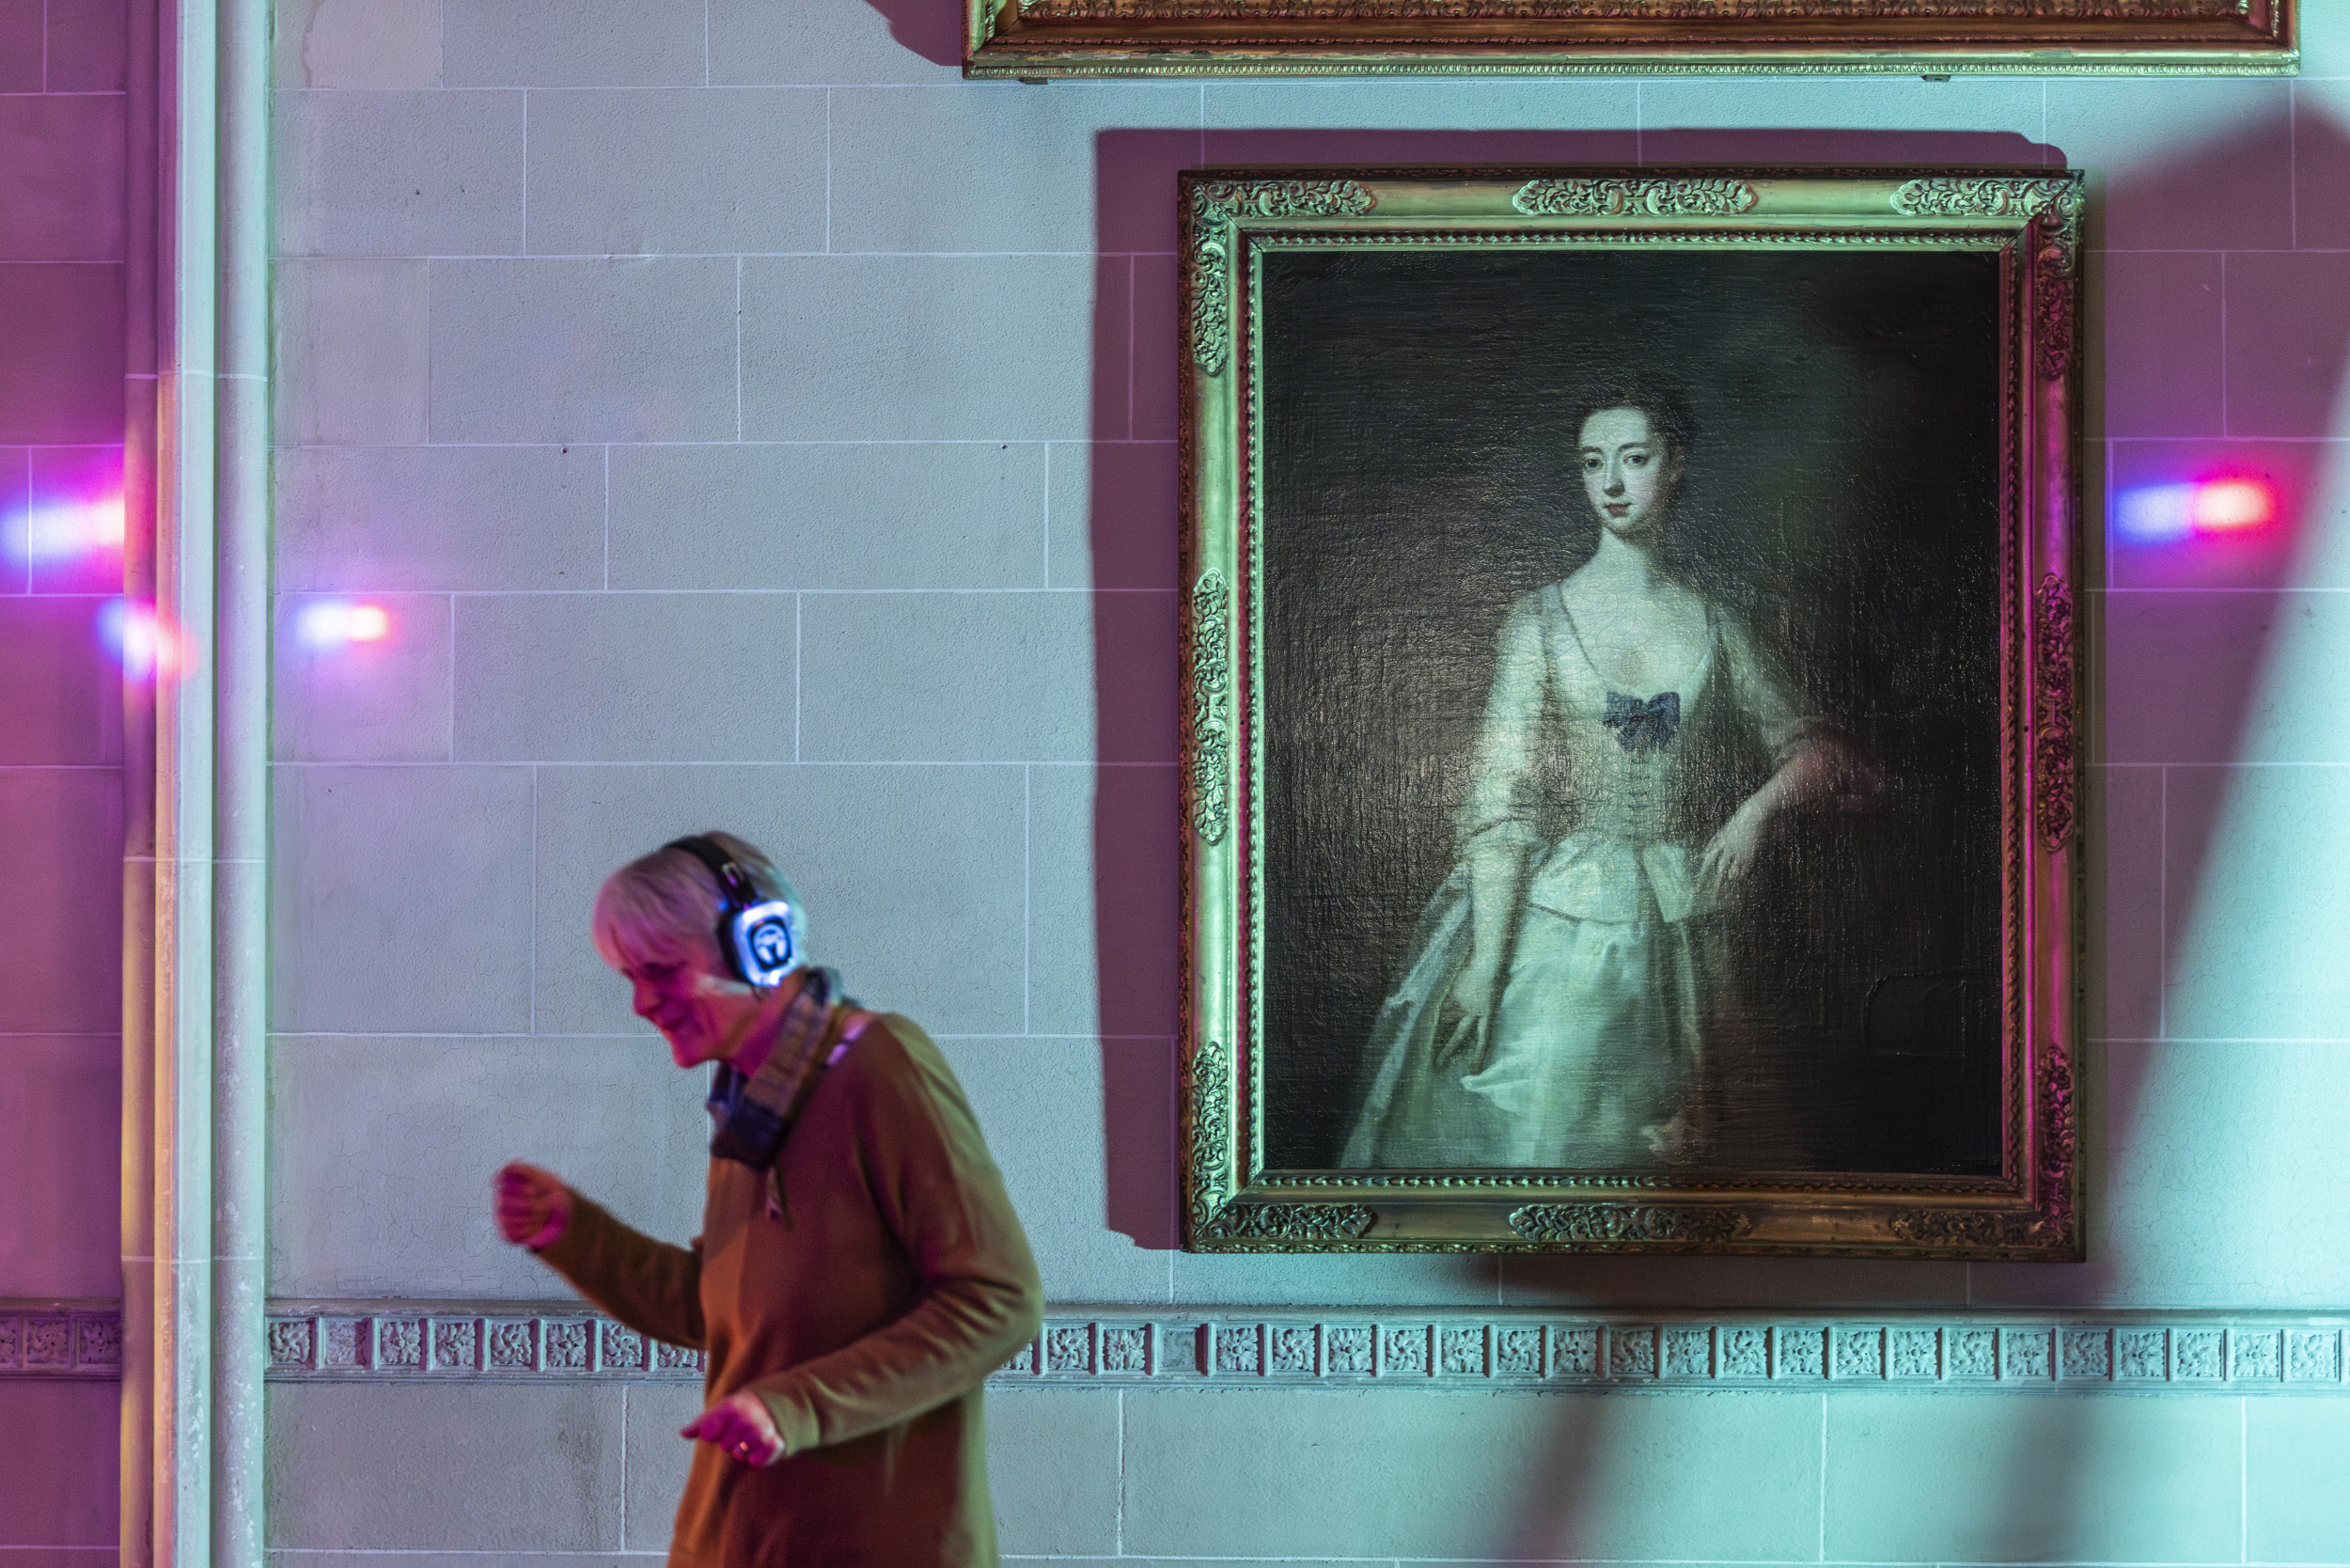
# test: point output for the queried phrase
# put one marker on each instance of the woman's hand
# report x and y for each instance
(1475, 992)
(533, 1205)
(1477, 987)
(1731, 855)
(740, 1427)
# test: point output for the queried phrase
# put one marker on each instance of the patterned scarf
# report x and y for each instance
(751, 1114)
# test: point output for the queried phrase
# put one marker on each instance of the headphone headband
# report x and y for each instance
(734, 883)
(759, 937)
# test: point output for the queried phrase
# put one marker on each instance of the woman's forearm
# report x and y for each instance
(1495, 871)
(1826, 767)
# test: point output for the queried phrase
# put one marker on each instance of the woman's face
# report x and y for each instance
(692, 1003)
(1628, 471)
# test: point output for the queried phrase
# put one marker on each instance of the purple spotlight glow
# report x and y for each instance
(65, 529)
(2166, 513)
(2156, 515)
(333, 623)
(139, 639)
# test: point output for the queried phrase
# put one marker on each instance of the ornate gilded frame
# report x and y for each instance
(2031, 218)
(1037, 39)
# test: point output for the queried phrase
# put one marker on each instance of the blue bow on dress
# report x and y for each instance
(1642, 727)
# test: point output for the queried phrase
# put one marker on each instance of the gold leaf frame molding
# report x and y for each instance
(2030, 1210)
(1038, 39)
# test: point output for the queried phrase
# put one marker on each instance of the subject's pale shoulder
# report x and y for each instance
(1536, 603)
(1734, 628)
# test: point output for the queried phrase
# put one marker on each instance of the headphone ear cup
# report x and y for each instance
(763, 943)
(769, 942)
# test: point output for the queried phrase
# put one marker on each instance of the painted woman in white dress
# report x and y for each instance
(1635, 750)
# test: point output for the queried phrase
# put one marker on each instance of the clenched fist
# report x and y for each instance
(741, 1427)
(533, 1205)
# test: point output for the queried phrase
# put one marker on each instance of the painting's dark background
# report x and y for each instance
(1842, 495)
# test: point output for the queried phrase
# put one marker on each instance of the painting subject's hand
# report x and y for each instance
(1730, 856)
(1474, 989)
(740, 1427)
(533, 1205)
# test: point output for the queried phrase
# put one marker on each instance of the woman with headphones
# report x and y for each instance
(860, 1270)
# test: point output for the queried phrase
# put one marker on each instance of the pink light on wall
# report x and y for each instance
(2168, 513)
(69, 530)
(2224, 505)
(2229, 514)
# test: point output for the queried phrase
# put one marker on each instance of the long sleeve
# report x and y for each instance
(649, 1285)
(1779, 721)
(928, 1169)
(1504, 802)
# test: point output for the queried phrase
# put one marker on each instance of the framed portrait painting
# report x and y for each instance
(1040, 39)
(1629, 710)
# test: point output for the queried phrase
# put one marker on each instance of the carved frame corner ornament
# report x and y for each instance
(1233, 1199)
(1210, 218)
(1206, 1136)
(1291, 1222)
(2052, 206)
(1038, 39)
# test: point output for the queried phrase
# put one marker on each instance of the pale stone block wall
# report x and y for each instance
(61, 423)
(745, 421)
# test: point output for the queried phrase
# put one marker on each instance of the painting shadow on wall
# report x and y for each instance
(930, 28)
(2179, 646)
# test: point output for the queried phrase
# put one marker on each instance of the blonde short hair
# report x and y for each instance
(663, 907)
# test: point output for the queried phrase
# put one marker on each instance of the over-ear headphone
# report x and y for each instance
(760, 937)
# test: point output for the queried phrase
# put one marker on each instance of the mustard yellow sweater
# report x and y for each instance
(863, 1294)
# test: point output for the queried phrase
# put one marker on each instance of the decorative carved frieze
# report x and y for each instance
(1634, 196)
(60, 1342)
(1518, 1347)
(1569, 1223)
(1521, 1348)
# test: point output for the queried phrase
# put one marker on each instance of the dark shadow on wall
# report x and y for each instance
(930, 28)
(2188, 625)
(2178, 648)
